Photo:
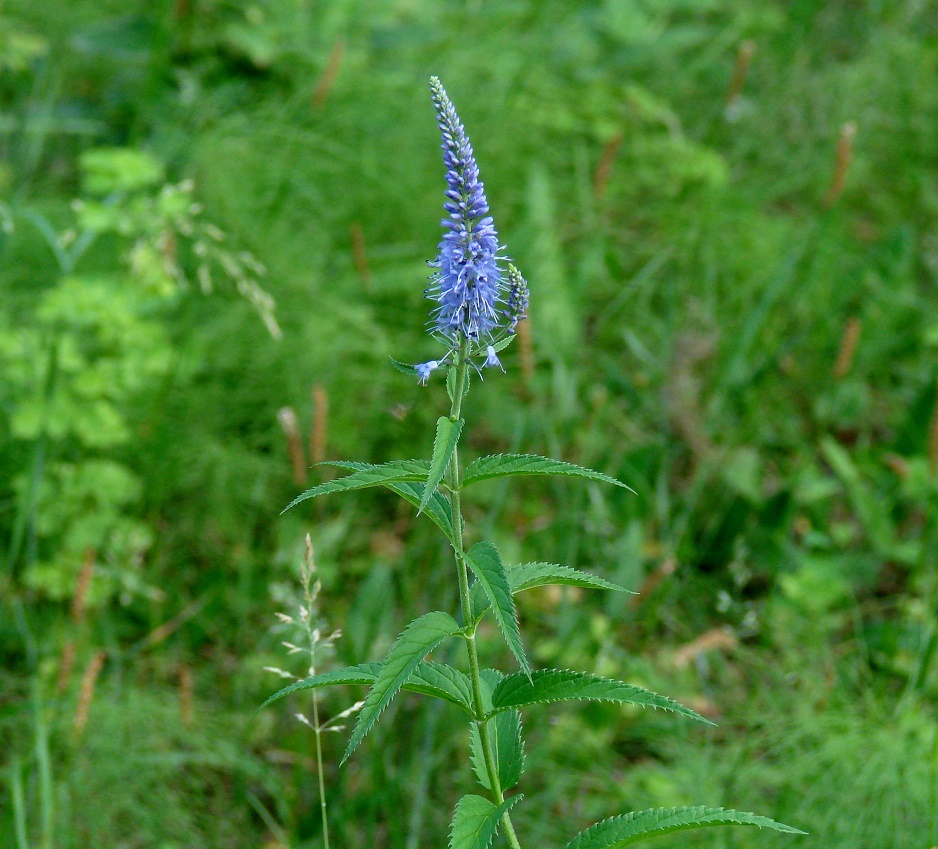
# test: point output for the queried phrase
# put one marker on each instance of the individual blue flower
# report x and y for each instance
(491, 358)
(424, 369)
(468, 285)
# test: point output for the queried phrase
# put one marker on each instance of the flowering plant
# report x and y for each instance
(480, 297)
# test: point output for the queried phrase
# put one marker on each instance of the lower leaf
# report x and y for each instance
(504, 733)
(418, 639)
(625, 830)
(475, 821)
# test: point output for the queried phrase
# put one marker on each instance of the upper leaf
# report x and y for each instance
(556, 685)
(504, 465)
(526, 576)
(404, 368)
(412, 491)
(442, 682)
(486, 564)
(631, 828)
(451, 377)
(444, 444)
(367, 475)
(429, 678)
(438, 509)
(504, 733)
(364, 673)
(475, 821)
(418, 639)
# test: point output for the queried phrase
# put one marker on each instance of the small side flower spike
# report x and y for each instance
(518, 297)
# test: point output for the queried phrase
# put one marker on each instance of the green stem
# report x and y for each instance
(454, 482)
(321, 771)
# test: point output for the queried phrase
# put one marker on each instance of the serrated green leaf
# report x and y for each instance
(444, 444)
(366, 475)
(617, 832)
(486, 564)
(505, 465)
(443, 682)
(504, 730)
(526, 576)
(404, 368)
(438, 510)
(418, 639)
(559, 685)
(451, 376)
(489, 679)
(364, 673)
(503, 343)
(475, 821)
(429, 679)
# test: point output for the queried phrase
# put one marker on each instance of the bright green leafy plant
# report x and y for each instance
(480, 299)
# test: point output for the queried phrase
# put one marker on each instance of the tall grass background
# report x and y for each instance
(727, 214)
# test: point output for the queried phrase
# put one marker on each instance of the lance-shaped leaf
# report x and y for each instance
(505, 465)
(412, 492)
(559, 685)
(364, 673)
(418, 639)
(486, 564)
(451, 378)
(428, 678)
(504, 733)
(475, 821)
(438, 509)
(632, 828)
(527, 576)
(442, 682)
(366, 475)
(404, 368)
(444, 444)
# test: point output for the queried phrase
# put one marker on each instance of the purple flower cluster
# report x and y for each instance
(476, 301)
(468, 285)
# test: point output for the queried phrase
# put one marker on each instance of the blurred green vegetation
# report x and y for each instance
(728, 215)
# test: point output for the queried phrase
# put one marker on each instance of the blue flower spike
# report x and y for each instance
(478, 301)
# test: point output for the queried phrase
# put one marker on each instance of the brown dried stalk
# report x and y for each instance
(88, 683)
(318, 435)
(331, 71)
(288, 421)
(848, 348)
(842, 160)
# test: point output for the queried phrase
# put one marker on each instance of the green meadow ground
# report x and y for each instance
(734, 310)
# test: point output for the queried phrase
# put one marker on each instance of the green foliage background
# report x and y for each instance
(165, 168)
